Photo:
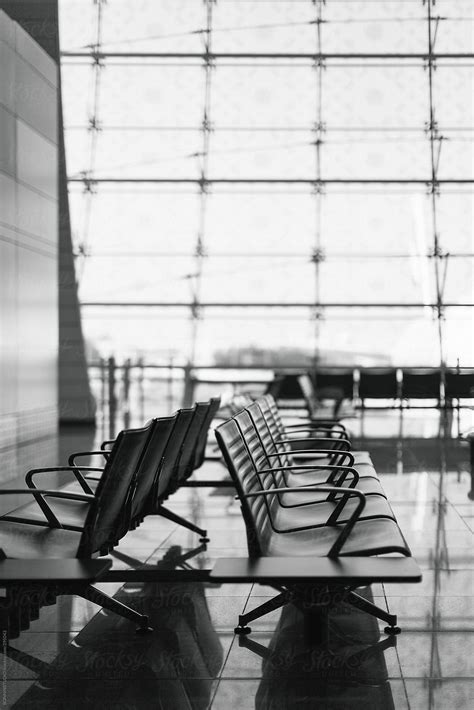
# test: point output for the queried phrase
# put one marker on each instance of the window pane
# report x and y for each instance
(355, 26)
(458, 341)
(368, 156)
(140, 220)
(138, 279)
(455, 215)
(148, 154)
(260, 222)
(257, 280)
(369, 280)
(375, 96)
(77, 21)
(249, 26)
(77, 94)
(459, 280)
(262, 154)
(356, 221)
(271, 330)
(150, 26)
(160, 333)
(267, 96)
(453, 95)
(457, 30)
(456, 157)
(381, 336)
(160, 95)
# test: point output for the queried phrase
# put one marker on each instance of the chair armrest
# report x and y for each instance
(339, 482)
(72, 457)
(287, 431)
(107, 442)
(344, 454)
(45, 492)
(296, 429)
(318, 467)
(338, 442)
(38, 495)
(346, 530)
(72, 462)
(346, 470)
(315, 438)
(56, 469)
(323, 423)
(323, 420)
(310, 467)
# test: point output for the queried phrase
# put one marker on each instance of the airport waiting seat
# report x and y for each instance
(312, 530)
(378, 383)
(300, 668)
(166, 668)
(334, 384)
(459, 384)
(331, 435)
(106, 521)
(421, 383)
(127, 489)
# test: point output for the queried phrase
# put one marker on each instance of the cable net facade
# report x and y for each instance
(255, 178)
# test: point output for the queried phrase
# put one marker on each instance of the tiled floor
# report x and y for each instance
(74, 657)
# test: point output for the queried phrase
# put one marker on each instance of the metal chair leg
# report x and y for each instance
(360, 603)
(169, 515)
(265, 608)
(97, 597)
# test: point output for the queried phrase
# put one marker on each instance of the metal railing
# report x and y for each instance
(129, 392)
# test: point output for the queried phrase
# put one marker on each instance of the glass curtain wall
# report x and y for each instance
(255, 178)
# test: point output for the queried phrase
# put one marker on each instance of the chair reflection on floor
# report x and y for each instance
(106, 668)
(347, 669)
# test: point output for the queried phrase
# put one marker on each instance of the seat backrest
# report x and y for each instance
(273, 477)
(150, 464)
(285, 386)
(379, 383)
(459, 384)
(239, 402)
(108, 518)
(200, 450)
(272, 415)
(252, 441)
(421, 384)
(257, 512)
(275, 386)
(327, 378)
(260, 424)
(185, 463)
(171, 458)
(308, 390)
(265, 427)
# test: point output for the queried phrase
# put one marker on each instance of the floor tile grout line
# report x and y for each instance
(402, 677)
(454, 507)
(98, 612)
(219, 678)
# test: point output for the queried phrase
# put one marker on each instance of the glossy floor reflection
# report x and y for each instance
(74, 657)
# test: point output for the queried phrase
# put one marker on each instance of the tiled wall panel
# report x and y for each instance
(28, 241)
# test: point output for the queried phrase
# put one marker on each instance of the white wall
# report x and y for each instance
(28, 239)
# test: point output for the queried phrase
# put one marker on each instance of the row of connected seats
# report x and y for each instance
(181, 661)
(347, 670)
(142, 468)
(323, 504)
(382, 383)
(174, 669)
